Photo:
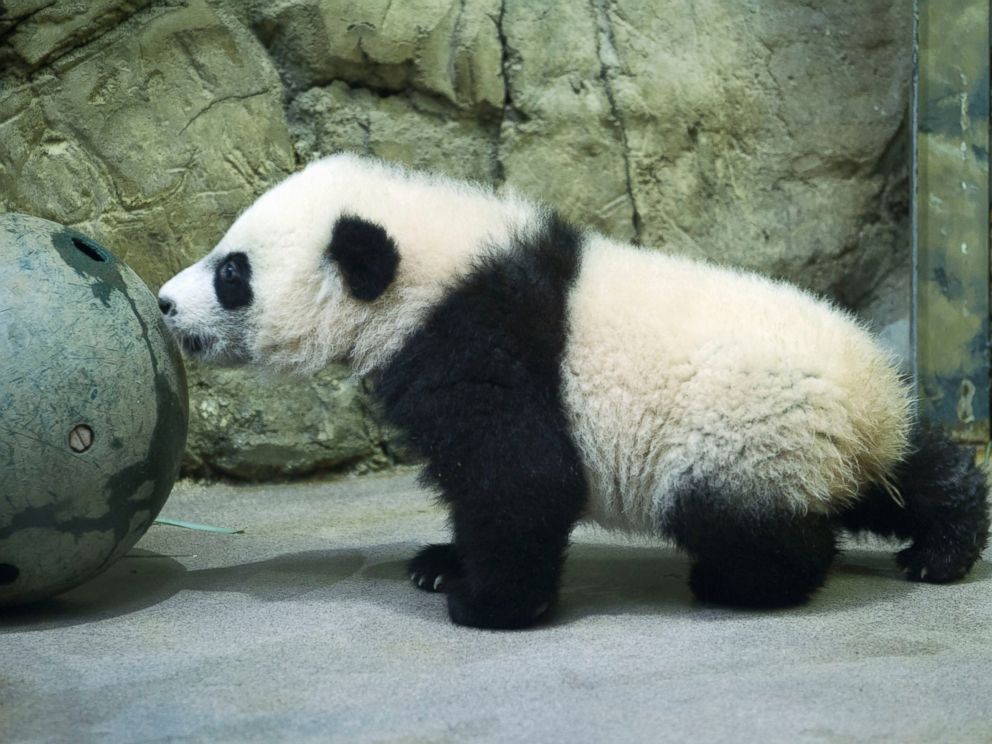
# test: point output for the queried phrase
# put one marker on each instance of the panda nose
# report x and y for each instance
(167, 306)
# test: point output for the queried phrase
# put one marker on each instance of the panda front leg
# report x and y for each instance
(510, 564)
(515, 490)
(511, 533)
(513, 578)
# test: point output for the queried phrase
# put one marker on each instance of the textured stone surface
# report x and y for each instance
(561, 139)
(448, 48)
(770, 157)
(295, 428)
(151, 138)
(47, 29)
(770, 137)
(412, 129)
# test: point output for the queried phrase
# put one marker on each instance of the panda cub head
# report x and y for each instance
(338, 262)
(334, 263)
(292, 280)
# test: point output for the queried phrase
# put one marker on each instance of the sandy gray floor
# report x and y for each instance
(305, 629)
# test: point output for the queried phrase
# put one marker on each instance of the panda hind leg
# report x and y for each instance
(749, 558)
(944, 509)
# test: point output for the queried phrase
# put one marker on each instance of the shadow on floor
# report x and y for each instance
(144, 578)
(598, 580)
(619, 580)
(140, 579)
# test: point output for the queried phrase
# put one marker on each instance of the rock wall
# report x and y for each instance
(767, 135)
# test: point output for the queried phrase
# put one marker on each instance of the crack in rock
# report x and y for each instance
(16, 21)
(510, 110)
(454, 46)
(610, 64)
(225, 99)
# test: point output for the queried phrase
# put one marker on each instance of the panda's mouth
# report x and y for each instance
(195, 343)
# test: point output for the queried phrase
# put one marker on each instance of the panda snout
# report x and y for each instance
(167, 306)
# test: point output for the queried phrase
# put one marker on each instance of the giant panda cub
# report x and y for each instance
(548, 375)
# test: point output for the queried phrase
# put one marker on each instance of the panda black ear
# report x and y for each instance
(366, 256)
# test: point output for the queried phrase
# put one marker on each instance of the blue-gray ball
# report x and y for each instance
(93, 408)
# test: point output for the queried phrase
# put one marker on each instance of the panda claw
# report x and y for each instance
(435, 567)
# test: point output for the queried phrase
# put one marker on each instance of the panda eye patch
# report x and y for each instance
(232, 282)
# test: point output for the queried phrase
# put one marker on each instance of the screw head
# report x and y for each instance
(80, 438)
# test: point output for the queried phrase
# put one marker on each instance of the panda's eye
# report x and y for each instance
(229, 271)
(232, 282)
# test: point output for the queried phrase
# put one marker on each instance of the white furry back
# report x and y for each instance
(761, 393)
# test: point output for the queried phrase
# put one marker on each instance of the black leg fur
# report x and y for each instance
(946, 512)
(477, 391)
(749, 559)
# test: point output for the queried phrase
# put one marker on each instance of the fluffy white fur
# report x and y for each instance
(674, 369)
(678, 370)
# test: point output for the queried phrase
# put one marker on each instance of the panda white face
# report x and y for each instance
(311, 273)
(293, 280)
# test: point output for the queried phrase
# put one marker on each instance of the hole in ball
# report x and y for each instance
(89, 250)
(8, 573)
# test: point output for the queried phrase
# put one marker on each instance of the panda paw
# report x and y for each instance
(434, 567)
(934, 566)
(474, 612)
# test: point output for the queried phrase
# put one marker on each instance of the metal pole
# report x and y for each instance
(950, 212)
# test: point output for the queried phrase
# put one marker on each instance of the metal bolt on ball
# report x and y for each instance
(80, 438)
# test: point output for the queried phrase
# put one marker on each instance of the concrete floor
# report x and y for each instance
(305, 628)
